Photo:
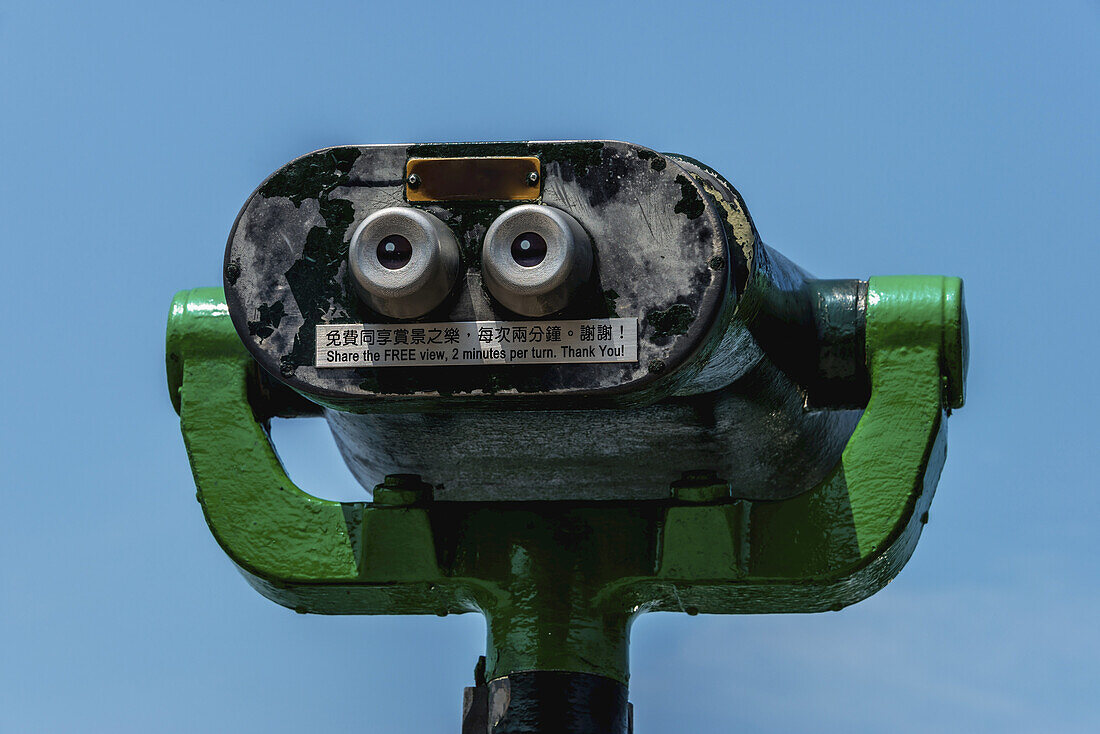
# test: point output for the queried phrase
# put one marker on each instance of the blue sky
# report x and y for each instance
(867, 139)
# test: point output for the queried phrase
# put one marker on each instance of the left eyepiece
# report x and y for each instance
(403, 261)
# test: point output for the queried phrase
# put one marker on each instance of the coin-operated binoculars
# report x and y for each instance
(581, 388)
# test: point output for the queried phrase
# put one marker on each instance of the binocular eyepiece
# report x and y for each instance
(404, 261)
(534, 259)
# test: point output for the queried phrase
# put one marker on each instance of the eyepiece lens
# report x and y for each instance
(529, 249)
(394, 252)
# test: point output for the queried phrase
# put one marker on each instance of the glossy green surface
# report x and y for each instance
(559, 583)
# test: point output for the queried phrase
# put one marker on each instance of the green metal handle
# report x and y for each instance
(268, 526)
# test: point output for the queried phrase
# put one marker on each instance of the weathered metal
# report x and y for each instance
(286, 273)
(819, 506)
(734, 339)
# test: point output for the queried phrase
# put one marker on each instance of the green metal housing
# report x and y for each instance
(560, 582)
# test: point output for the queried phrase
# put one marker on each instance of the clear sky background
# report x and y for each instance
(867, 139)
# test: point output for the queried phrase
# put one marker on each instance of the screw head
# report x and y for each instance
(232, 272)
(532, 179)
(413, 181)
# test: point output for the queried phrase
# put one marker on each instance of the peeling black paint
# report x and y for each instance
(690, 205)
(469, 221)
(578, 157)
(466, 150)
(310, 175)
(740, 263)
(313, 279)
(676, 319)
(270, 316)
(656, 162)
(609, 298)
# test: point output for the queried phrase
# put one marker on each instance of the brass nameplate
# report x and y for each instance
(473, 179)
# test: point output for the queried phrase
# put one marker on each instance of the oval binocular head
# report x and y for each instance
(393, 284)
(533, 273)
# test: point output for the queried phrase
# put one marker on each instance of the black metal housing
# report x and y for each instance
(748, 368)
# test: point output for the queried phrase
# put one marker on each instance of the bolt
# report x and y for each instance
(700, 486)
(402, 490)
(232, 272)
(532, 179)
(413, 180)
(287, 370)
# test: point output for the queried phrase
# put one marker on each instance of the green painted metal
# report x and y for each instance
(559, 583)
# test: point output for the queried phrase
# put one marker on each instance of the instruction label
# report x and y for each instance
(477, 342)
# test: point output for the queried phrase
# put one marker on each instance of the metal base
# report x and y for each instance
(539, 701)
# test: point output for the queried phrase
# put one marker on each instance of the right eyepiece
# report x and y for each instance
(534, 259)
